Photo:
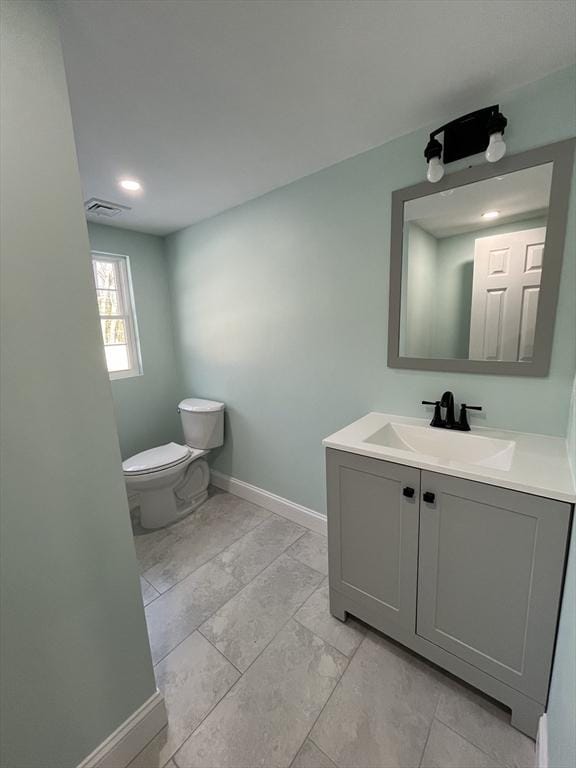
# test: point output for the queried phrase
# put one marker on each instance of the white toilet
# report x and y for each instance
(170, 481)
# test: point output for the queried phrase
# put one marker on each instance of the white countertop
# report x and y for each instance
(539, 465)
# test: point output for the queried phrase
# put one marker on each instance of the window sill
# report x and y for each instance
(118, 375)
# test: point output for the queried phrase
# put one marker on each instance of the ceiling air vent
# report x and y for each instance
(97, 207)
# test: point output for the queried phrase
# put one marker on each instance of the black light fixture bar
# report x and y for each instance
(466, 135)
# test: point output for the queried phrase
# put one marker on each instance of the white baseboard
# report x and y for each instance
(542, 743)
(122, 746)
(309, 518)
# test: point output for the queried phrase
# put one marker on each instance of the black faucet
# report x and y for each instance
(447, 402)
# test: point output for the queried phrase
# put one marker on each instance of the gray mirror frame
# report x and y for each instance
(561, 154)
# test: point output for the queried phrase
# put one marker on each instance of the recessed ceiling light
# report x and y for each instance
(491, 215)
(131, 185)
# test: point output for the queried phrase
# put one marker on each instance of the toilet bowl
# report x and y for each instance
(168, 482)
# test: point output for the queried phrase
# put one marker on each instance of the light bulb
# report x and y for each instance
(131, 185)
(496, 148)
(435, 169)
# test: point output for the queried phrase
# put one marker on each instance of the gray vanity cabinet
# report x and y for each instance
(490, 577)
(467, 574)
(373, 534)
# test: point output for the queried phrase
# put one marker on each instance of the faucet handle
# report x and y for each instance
(437, 420)
(463, 420)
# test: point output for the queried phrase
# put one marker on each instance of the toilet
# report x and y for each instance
(168, 482)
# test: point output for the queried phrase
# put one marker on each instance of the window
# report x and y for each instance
(117, 316)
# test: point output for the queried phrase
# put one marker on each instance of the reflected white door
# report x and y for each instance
(505, 291)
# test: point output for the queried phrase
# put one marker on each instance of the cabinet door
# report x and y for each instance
(373, 534)
(490, 578)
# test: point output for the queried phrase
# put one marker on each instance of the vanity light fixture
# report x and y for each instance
(491, 215)
(131, 185)
(479, 131)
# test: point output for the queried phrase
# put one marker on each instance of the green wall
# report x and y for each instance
(145, 406)
(281, 310)
(75, 660)
(562, 701)
(419, 305)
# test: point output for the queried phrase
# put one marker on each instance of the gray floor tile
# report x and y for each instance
(152, 546)
(148, 591)
(220, 521)
(193, 678)
(257, 549)
(380, 713)
(486, 725)
(311, 757)
(446, 749)
(222, 506)
(245, 625)
(177, 613)
(315, 614)
(312, 550)
(263, 720)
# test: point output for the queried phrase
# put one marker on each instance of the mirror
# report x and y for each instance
(475, 266)
(472, 266)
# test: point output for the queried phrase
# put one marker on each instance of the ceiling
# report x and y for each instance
(211, 103)
(516, 196)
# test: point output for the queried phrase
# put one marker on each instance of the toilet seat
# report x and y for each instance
(158, 459)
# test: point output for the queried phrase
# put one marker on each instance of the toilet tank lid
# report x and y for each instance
(196, 405)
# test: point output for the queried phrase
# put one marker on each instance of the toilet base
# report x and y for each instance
(187, 508)
(160, 507)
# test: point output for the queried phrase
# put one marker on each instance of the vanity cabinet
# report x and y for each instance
(374, 536)
(467, 574)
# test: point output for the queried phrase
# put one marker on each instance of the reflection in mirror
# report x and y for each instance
(472, 260)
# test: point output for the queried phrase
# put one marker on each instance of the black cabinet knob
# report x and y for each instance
(429, 497)
(408, 492)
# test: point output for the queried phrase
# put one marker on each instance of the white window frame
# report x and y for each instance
(126, 295)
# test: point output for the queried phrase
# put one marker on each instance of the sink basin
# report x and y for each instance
(444, 445)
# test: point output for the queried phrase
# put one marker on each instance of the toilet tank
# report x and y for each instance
(202, 422)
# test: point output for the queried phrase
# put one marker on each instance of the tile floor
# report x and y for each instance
(256, 673)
